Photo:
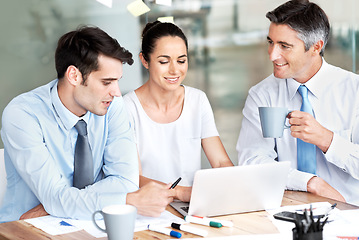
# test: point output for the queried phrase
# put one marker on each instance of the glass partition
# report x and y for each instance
(227, 43)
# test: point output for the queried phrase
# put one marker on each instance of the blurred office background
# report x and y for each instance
(227, 45)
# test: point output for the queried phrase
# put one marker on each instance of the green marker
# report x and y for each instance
(202, 221)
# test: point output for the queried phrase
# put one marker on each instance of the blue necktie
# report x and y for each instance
(306, 152)
(83, 164)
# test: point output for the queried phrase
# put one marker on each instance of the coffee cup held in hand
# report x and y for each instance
(273, 121)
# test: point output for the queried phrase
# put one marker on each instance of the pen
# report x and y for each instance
(323, 223)
(163, 230)
(306, 221)
(330, 209)
(189, 229)
(175, 183)
(202, 221)
(224, 223)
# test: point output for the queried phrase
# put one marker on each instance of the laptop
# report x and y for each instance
(238, 189)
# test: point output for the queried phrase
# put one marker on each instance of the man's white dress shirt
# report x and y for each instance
(334, 96)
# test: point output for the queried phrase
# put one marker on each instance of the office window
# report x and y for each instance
(227, 43)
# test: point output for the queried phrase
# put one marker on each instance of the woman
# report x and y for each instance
(171, 121)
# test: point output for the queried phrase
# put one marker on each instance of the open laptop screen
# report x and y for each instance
(229, 190)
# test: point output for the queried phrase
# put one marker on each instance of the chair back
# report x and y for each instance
(2, 176)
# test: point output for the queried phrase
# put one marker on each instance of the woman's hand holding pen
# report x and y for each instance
(183, 193)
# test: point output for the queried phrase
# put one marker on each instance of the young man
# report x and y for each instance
(42, 139)
(326, 137)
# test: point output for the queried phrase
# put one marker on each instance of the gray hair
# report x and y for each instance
(306, 18)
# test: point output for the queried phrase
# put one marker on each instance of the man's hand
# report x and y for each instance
(152, 199)
(305, 127)
(37, 211)
(320, 187)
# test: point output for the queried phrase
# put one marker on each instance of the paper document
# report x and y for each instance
(55, 226)
(276, 236)
(341, 223)
(283, 226)
(345, 225)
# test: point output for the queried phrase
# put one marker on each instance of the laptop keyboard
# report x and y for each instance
(185, 209)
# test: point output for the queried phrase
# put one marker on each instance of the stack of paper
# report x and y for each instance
(55, 226)
(341, 224)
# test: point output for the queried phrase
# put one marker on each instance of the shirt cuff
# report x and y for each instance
(298, 180)
(339, 149)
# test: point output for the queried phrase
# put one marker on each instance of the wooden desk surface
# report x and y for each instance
(245, 223)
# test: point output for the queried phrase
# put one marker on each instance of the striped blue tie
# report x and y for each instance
(306, 152)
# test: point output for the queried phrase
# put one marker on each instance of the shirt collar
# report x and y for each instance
(67, 118)
(314, 85)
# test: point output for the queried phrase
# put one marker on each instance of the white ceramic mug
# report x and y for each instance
(119, 221)
(273, 121)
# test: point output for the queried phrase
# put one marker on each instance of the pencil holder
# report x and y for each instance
(307, 236)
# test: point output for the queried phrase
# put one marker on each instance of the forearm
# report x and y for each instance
(252, 151)
(215, 152)
(320, 187)
(80, 204)
(145, 180)
(37, 211)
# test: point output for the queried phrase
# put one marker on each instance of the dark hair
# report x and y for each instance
(154, 31)
(82, 47)
(306, 18)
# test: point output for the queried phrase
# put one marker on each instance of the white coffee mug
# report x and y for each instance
(273, 121)
(119, 221)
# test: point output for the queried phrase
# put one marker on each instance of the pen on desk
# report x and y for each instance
(225, 223)
(202, 221)
(330, 209)
(163, 230)
(175, 183)
(189, 229)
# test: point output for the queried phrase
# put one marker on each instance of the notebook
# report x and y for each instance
(238, 189)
